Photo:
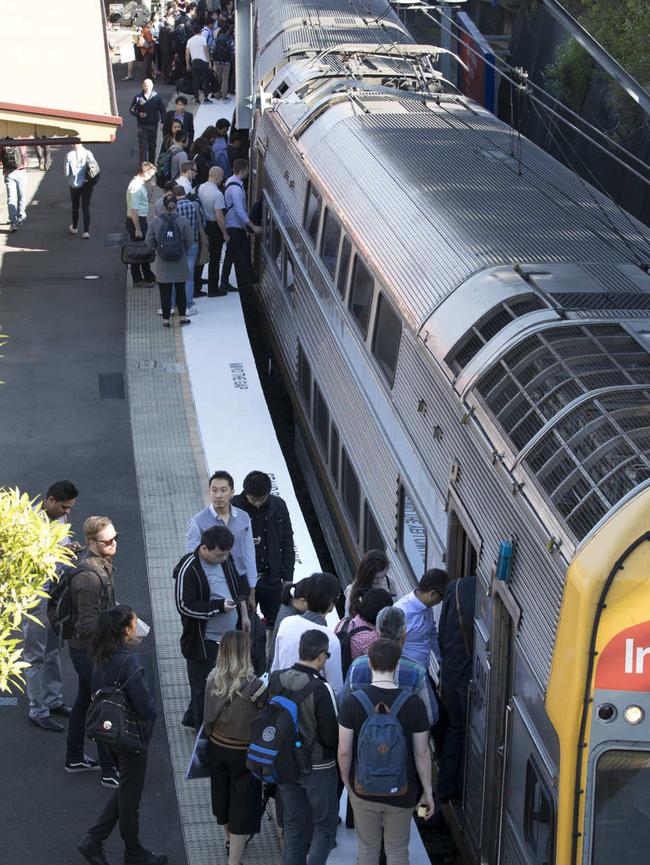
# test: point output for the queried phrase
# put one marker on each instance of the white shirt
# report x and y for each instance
(184, 182)
(196, 46)
(286, 649)
(211, 198)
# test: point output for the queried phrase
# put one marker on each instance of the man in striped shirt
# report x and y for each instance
(391, 624)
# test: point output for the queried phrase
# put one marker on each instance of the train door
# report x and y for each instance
(257, 188)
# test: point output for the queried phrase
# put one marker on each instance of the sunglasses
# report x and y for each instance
(109, 541)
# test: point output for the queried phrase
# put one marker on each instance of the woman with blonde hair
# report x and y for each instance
(233, 699)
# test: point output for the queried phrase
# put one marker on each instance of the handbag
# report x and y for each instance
(198, 767)
(92, 171)
(137, 252)
(111, 719)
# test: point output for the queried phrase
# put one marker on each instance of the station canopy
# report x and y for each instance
(56, 79)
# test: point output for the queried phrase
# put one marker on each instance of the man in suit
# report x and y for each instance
(183, 116)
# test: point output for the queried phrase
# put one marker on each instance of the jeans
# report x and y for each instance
(139, 272)
(43, 680)
(167, 289)
(124, 804)
(81, 194)
(16, 186)
(147, 142)
(197, 674)
(77, 724)
(215, 245)
(375, 821)
(450, 777)
(199, 72)
(192, 255)
(317, 791)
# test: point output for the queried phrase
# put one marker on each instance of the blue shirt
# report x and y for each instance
(421, 631)
(409, 674)
(243, 551)
(235, 198)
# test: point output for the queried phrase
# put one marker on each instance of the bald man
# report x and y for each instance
(213, 205)
(149, 110)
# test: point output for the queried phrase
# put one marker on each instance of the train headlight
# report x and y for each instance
(606, 712)
(634, 715)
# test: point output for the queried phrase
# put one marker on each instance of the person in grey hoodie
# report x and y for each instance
(171, 274)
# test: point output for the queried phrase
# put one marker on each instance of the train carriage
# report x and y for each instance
(463, 329)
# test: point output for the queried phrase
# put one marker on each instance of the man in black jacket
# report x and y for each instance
(184, 117)
(456, 641)
(208, 598)
(273, 539)
(149, 110)
(316, 788)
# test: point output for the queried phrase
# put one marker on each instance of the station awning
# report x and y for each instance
(56, 79)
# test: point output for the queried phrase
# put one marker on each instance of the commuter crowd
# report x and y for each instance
(282, 703)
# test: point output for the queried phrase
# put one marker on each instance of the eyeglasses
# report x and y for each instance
(328, 655)
(108, 542)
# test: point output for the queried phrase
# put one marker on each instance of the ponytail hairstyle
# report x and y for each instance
(294, 592)
(110, 632)
(370, 565)
(233, 665)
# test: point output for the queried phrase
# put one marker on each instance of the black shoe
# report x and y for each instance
(92, 851)
(207, 102)
(86, 764)
(48, 724)
(186, 721)
(145, 857)
(217, 293)
(110, 779)
(63, 710)
(227, 288)
(200, 293)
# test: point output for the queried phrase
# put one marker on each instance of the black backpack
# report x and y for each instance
(110, 718)
(11, 158)
(180, 37)
(170, 240)
(164, 168)
(61, 612)
(221, 50)
(345, 638)
(276, 754)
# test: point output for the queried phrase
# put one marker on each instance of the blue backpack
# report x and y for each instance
(382, 749)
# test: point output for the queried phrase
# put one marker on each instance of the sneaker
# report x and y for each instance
(111, 779)
(85, 235)
(145, 857)
(12, 228)
(86, 764)
(47, 723)
(207, 101)
(73, 230)
(192, 311)
(21, 220)
(92, 851)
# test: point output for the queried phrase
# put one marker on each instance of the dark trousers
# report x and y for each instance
(81, 194)
(147, 142)
(240, 249)
(267, 595)
(124, 804)
(450, 776)
(197, 675)
(166, 63)
(215, 245)
(139, 271)
(199, 73)
(77, 724)
(165, 289)
(228, 262)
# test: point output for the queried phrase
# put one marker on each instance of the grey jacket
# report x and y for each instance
(170, 271)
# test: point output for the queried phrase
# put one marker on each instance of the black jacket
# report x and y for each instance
(193, 601)
(153, 107)
(281, 552)
(188, 125)
(456, 662)
(125, 665)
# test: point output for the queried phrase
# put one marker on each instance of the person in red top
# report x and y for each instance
(14, 169)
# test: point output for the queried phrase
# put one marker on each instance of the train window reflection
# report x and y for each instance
(412, 536)
(351, 493)
(329, 245)
(287, 269)
(386, 338)
(334, 454)
(344, 264)
(304, 377)
(321, 418)
(621, 817)
(276, 247)
(372, 537)
(361, 288)
(312, 212)
(539, 816)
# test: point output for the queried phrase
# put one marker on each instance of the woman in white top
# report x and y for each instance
(81, 186)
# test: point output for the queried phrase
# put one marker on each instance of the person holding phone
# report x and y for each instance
(208, 600)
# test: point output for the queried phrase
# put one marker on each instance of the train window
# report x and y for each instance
(329, 244)
(268, 227)
(312, 212)
(351, 493)
(621, 820)
(334, 454)
(304, 377)
(386, 339)
(372, 537)
(539, 816)
(287, 269)
(412, 536)
(321, 418)
(361, 288)
(344, 266)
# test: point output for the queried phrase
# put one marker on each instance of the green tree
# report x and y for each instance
(30, 550)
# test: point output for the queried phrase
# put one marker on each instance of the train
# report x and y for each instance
(463, 326)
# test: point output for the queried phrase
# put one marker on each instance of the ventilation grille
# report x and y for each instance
(489, 326)
(602, 300)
